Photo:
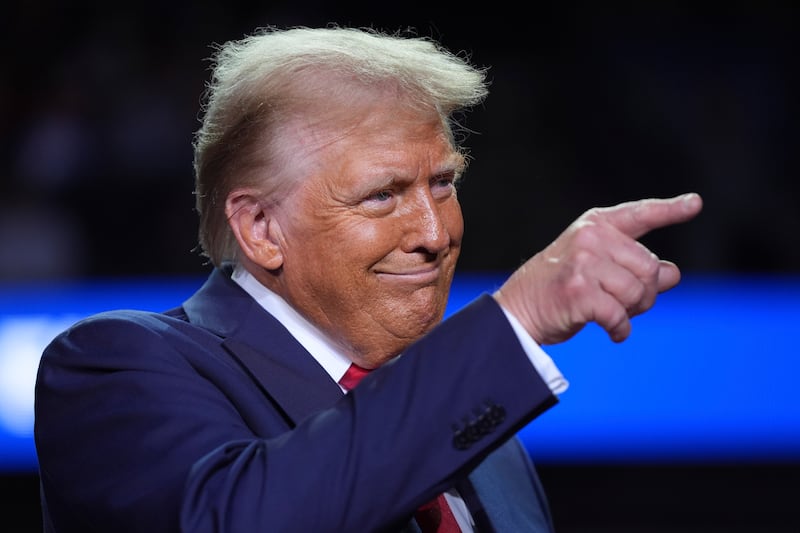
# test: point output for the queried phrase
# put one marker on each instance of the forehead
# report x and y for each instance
(382, 135)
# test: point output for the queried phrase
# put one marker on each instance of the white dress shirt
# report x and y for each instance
(336, 364)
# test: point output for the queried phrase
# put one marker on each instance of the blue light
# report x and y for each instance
(708, 375)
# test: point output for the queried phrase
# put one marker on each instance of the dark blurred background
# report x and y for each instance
(590, 105)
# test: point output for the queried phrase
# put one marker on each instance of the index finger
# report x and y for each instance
(641, 216)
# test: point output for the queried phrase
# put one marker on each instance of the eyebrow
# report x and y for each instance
(387, 177)
(392, 178)
(455, 164)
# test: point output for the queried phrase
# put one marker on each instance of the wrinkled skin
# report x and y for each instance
(365, 246)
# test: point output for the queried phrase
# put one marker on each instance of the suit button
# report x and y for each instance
(497, 414)
(485, 424)
(461, 441)
(473, 433)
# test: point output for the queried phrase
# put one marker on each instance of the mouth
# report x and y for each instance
(418, 276)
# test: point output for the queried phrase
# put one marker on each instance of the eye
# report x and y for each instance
(380, 202)
(443, 185)
(443, 181)
(380, 196)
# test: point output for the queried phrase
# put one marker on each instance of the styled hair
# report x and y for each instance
(262, 80)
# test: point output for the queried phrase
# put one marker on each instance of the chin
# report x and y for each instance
(421, 313)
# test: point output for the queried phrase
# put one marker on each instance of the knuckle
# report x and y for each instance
(618, 316)
(640, 211)
(586, 235)
(581, 257)
(576, 285)
(637, 292)
(651, 267)
(593, 214)
(610, 316)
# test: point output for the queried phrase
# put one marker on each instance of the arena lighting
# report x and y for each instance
(708, 375)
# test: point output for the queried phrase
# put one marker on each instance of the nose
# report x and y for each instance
(425, 226)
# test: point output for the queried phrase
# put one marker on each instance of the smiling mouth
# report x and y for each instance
(425, 275)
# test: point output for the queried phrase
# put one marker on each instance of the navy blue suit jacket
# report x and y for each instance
(211, 417)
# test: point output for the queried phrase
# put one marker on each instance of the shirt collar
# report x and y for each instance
(309, 336)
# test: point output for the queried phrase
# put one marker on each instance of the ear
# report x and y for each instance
(258, 234)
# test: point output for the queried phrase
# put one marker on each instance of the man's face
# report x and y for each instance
(371, 235)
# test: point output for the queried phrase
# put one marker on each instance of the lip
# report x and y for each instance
(420, 276)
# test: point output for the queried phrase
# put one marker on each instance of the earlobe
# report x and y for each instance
(255, 231)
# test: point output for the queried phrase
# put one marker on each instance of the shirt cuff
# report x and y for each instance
(542, 362)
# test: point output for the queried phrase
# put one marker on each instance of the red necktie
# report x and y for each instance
(353, 375)
(436, 515)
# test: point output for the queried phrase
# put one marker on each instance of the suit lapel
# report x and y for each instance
(283, 369)
(300, 388)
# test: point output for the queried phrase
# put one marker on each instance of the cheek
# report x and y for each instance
(373, 239)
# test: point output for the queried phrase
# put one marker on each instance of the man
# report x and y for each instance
(326, 185)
